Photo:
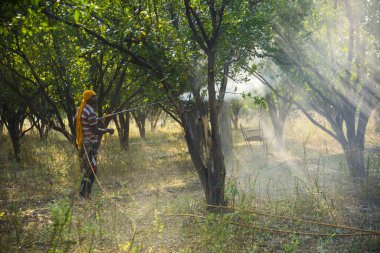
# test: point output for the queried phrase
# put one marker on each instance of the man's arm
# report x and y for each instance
(99, 131)
(94, 126)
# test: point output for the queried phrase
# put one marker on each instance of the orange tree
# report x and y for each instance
(189, 46)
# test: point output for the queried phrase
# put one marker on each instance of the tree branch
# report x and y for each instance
(193, 29)
(264, 81)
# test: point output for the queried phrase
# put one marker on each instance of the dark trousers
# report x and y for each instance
(87, 157)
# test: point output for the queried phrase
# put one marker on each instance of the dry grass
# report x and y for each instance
(307, 179)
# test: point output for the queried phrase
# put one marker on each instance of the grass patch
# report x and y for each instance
(155, 177)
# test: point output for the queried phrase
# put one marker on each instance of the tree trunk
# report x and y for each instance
(278, 113)
(14, 131)
(1, 128)
(235, 120)
(43, 130)
(45, 133)
(215, 161)
(140, 117)
(122, 126)
(153, 125)
(377, 119)
(278, 126)
(354, 146)
(198, 137)
(235, 106)
(355, 160)
(226, 133)
(279, 133)
(154, 116)
(142, 130)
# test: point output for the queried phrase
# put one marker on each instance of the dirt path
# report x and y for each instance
(139, 197)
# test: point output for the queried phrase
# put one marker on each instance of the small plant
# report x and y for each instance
(158, 225)
(130, 247)
(61, 216)
(292, 245)
(14, 218)
(231, 191)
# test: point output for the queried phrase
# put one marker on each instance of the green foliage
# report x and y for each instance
(61, 216)
(260, 101)
(291, 247)
(130, 247)
(231, 191)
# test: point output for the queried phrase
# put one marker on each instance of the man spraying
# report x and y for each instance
(87, 139)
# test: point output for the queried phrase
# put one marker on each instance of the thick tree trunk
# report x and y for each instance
(355, 160)
(196, 143)
(14, 131)
(215, 161)
(199, 143)
(353, 144)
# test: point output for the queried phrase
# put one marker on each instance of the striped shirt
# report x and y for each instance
(89, 119)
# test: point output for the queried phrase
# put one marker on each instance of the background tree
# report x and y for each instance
(153, 117)
(140, 115)
(340, 83)
(13, 113)
(280, 100)
(236, 106)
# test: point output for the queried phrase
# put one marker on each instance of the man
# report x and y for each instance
(87, 138)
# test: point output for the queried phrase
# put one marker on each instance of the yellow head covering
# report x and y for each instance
(79, 132)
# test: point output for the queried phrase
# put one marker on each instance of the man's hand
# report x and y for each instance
(110, 130)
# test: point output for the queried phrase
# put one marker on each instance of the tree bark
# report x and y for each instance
(215, 161)
(235, 106)
(122, 126)
(154, 116)
(226, 133)
(377, 119)
(140, 118)
(42, 128)
(13, 127)
(355, 160)
(235, 120)
(278, 114)
(1, 128)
